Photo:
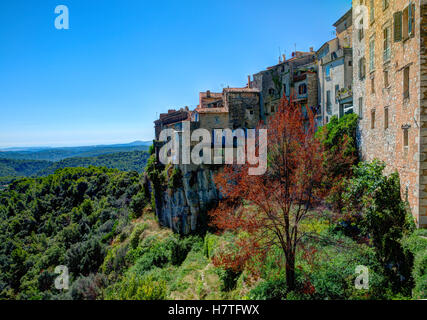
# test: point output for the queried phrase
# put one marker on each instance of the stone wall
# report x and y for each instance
(423, 114)
(379, 140)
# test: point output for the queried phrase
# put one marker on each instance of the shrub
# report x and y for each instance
(136, 235)
(175, 180)
(271, 289)
(133, 287)
(228, 278)
(137, 204)
(416, 243)
(375, 205)
(88, 288)
(210, 244)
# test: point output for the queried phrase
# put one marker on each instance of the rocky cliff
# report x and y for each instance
(184, 208)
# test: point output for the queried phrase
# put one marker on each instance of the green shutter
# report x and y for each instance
(398, 26)
(411, 20)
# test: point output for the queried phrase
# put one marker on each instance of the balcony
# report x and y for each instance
(344, 93)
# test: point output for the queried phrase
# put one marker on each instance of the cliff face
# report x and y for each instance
(184, 209)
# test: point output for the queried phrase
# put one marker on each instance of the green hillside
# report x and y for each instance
(57, 154)
(124, 161)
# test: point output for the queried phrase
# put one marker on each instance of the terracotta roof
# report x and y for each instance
(254, 90)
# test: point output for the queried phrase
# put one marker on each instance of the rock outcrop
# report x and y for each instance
(184, 209)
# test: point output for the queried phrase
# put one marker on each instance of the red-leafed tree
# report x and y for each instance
(270, 208)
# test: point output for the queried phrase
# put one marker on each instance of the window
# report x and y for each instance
(408, 21)
(284, 89)
(406, 83)
(361, 30)
(387, 48)
(273, 109)
(386, 79)
(405, 137)
(271, 92)
(328, 72)
(350, 63)
(362, 68)
(373, 119)
(302, 89)
(385, 118)
(372, 85)
(328, 102)
(361, 107)
(372, 54)
(397, 17)
(372, 11)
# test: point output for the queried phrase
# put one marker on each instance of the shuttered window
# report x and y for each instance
(372, 55)
(411, 19)
(397, 26)
(387, 47)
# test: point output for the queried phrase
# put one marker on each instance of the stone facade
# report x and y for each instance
(393, 123)
(335, 65)
(296, 76)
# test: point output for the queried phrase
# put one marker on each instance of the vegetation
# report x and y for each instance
(57, 154)
(125, 161)
(277, 236)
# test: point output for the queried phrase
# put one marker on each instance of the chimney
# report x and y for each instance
(249, 82)
(284, 57)
(311, 49)
(208, 93)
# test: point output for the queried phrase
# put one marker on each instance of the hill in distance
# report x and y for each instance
(58, 154)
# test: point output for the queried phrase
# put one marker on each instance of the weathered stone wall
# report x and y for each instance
(184, 210)
(378, 140)
(423, 113)
(243, 108)
(210, 121)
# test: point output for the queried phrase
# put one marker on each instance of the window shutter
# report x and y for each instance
(411, 20)
(398, 26)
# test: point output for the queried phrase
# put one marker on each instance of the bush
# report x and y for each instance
(416, 244)
(88, 288)
(133, 287)
(135, 237)
(228, 278)
(137, 204)
(272, 289)
(375, 205)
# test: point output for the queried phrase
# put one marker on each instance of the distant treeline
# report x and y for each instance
(124, 161)
(57, 154)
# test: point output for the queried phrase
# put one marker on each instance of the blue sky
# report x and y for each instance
(123, 62)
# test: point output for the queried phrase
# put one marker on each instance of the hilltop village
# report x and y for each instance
(375, 67)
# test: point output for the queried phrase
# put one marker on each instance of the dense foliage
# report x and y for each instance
(66, 218)
(124, 161)
(56, 154)
(376, 211)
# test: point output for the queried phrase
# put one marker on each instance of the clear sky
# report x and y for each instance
(123, 62)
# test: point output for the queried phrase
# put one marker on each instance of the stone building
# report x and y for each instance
(234, 108)
(335, 69)
(296, 76)
(390, 46)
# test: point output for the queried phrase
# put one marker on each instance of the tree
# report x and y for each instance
(268, 210)
(374, 204)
